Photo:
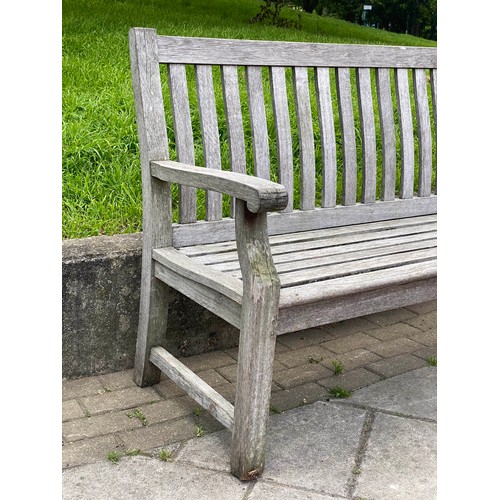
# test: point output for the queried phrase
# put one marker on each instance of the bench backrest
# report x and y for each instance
(349, 130)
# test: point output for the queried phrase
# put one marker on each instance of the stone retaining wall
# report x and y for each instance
(100, 303)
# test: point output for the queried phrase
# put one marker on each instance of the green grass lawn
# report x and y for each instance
(101, 173)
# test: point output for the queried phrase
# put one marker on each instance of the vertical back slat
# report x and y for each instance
(209, 134)
(367, 124)
(234, 121)
(327, 134)
(306, 138)
(183, 136)
(283, 132)
(406, 132)
(424, 132)
(434, 94)
(386, 116)
(349, 174)
(258, 122)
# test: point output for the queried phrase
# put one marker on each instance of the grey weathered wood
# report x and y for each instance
(386, 115)
(261, 288)
(424, 132)
(184, 144)
(258, 122)
(189, 268)
(295, 221)
(434, 94)
(156, 199)
(306, 139)
(264, 53)
(196, 387)
(349, 168)
(234, 121)
(327, 134)
(261, 195)
(406, 134)
(302, 316)
(283, 131)
(367, 123)
(209, 134)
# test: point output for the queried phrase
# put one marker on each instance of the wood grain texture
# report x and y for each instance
(283, 132)
(183, 131)
(260, 195)
(406, 134)
(424, 132)
(261, 288)
(306, 138)
(387, 131)
(265, 53)
(258, 122)
(368, 145)
(327, 134)
(209, 134)
(156, 199)
(349, 168)
(197, 388)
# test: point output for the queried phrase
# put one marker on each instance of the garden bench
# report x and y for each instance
(342, 234)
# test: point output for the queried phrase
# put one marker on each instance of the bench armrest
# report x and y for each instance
(260, 195)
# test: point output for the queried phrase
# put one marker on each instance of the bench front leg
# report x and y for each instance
(261, 289)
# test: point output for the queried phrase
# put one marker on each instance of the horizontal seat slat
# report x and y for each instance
(345, 253)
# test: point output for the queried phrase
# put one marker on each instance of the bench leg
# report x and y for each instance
(152, 326)
(259, 314)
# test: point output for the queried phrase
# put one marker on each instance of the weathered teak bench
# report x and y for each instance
(360, 251)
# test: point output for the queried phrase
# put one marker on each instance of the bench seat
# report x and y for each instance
(343, 261)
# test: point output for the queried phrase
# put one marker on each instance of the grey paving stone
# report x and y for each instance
(212, 377)
(390, 367)
(206, 361)
(391, 317)
(119, 400)
(427, 337)
(350, 342)
(349, 327)
(352, 359)
(148, 478)
(400, 460)
(304, 338)
(89, 450)
(424, 321)
(394, 347)
(268, 491)
(424, 307)
(412, 393)
(300, 375)
(395, 331)
(297, 357)
(312, 447)
(230, 372)
(297, 396)
(118, 380)
(426, 352)
(158, 435)
(168, 389)
(351, 380)
(168, 410)
(71, 410)
(98, 425)
(72, 389)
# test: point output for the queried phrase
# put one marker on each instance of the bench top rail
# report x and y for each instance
(337, 125)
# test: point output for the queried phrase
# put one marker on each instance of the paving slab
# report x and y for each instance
(400, 460)
(268, 491)
(149, 478)
(312, 447)
(413, 394)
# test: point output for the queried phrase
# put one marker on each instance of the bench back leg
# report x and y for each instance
(257, 343)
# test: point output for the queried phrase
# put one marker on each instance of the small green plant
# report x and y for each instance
(356, 470)
(274, 409)
(200, 430)
(113, 456)
(165, 455)
(315, 360)
(339, 392)
(197, 412)
(432, 361)
(133, 453)
(338, 367)
(137, 413)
